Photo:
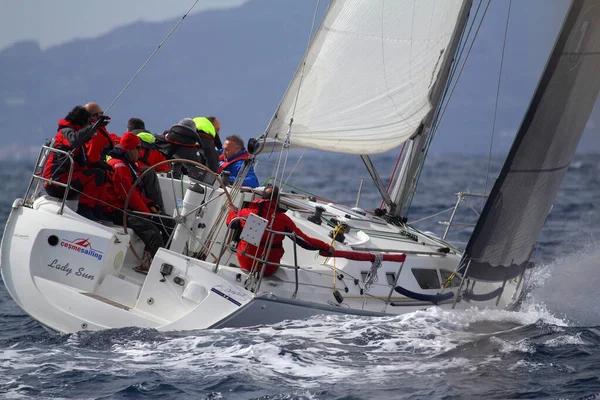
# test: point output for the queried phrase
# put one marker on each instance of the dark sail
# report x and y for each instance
(522, 196)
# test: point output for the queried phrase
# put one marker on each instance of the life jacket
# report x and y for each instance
(224, 164)
(264, 208)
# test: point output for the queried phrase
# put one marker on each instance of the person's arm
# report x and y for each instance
(313, 243)
(234, 213)
(75, 138)
(122, 182)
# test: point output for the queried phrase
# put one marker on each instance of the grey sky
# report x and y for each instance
(52, 22)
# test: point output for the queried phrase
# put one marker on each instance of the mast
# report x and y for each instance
(406, 180)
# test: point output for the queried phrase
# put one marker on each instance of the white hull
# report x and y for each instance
(72, 274)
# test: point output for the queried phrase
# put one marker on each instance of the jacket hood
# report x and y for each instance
(182, 134)
(63, 123)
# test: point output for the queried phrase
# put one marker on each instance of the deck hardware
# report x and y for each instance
(316, 217)
(179, 281)
(338, 297)
(53, 240)
(165, 270)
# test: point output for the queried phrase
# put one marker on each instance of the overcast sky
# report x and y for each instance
(52, 22)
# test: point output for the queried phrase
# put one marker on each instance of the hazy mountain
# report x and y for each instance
(234, 64)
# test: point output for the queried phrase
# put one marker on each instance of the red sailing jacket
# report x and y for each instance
(97, 144)
(150, 157)
(70, 137)
(123, 180)
(282, 223)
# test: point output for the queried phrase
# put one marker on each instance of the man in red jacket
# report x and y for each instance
(96, 150)
(73, 132)
(149, 156)
(101, 142)
(123, 159)
(265, 208)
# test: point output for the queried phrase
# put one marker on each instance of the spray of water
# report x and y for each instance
(567, 287)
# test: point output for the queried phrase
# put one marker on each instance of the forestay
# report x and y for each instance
(368, 74)
(521, 198)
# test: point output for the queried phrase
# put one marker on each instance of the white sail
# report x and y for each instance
(368, 74)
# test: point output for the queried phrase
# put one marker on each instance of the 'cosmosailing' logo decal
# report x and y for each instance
(81, 246)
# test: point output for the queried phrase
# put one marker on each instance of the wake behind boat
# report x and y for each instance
(71, 274)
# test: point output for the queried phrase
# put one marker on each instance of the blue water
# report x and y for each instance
(549, 349)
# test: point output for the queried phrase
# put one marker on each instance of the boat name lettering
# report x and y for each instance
(231, 291)
(81, 272)
(68, 270)
(61, 267)
(82, 246)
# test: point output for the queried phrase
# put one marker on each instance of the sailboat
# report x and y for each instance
(373, 78)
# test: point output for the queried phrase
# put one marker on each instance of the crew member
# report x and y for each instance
(73, 132)
(265, 208)
(233, 160)
(150, 155)
(153, 233)
(207, 132)
(182, 141)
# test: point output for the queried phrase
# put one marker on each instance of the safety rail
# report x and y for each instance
(462, 198)
(264, 262)
(37, 176)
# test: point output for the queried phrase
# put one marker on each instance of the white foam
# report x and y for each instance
(568, 286)
(565, 340)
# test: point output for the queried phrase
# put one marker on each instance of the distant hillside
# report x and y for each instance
(234, 64)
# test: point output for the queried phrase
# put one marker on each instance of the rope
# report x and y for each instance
(286, 144)
(487, 173)
(151, 56)
(443, 109)
(294, 169)
(372, 274)
(431, 216)
(312, 27)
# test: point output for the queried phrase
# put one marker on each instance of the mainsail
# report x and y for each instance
(364, 84)
(522, 196)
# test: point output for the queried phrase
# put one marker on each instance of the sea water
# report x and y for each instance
(548, 349)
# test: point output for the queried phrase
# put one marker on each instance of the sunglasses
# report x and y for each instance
(96, 115)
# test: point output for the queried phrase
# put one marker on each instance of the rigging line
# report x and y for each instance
(464, 40)
(431, 216)
(151, 56)
(312, 27)
(276, 171)
(458, 56)
(487, 173)
(293, 169)
(439, 118)
(464, 63)
(464, 44)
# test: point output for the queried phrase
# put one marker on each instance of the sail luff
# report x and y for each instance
(522, 196)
